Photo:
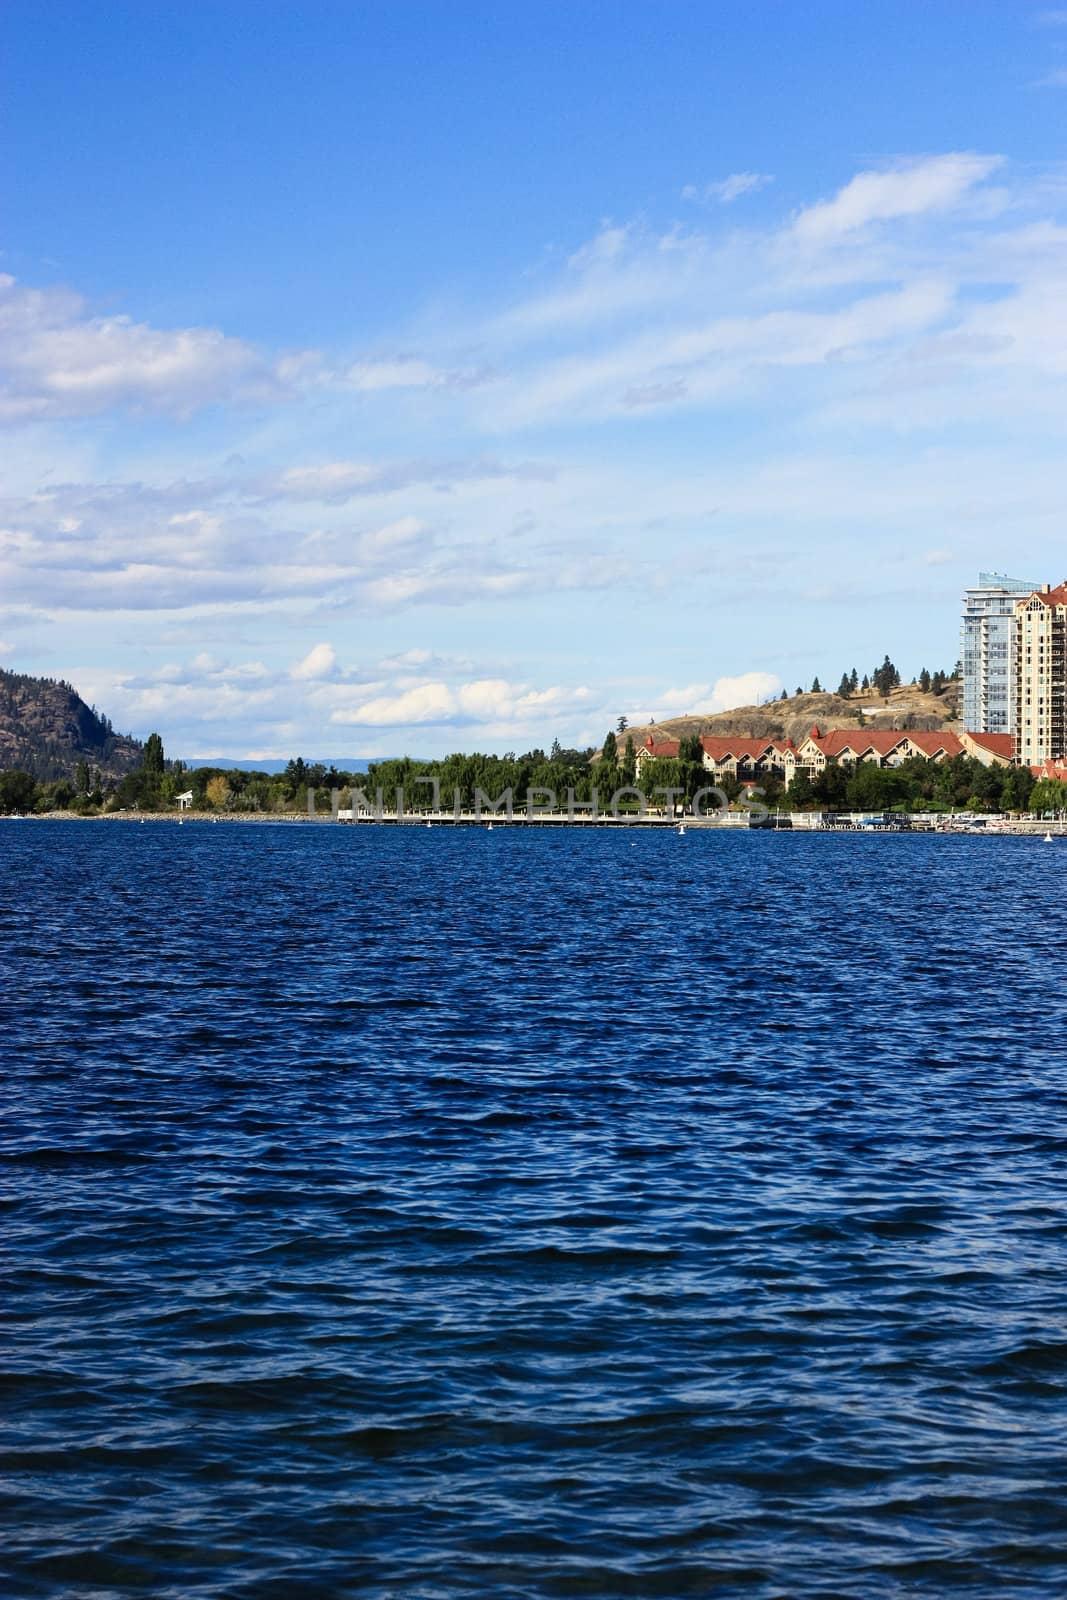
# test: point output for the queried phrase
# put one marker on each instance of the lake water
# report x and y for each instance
(548, 1214)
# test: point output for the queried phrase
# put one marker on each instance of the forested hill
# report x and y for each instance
(46, 729)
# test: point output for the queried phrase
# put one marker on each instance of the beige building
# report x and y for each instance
(885, 747)
(1041, 677)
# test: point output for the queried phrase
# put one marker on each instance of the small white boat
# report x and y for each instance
(681, 829)
(490, 827)
(1048, 839)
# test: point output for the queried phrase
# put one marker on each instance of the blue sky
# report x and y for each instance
(382, 377)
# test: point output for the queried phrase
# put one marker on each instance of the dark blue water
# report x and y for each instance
(557, 1214)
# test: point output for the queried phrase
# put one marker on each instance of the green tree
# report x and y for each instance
(628, 767)
(924, 681)
(610, 753)
(153, 761)
(691, 773)
(800, 796)
(1048, 794)
(885, 678)
(875, 788)
(844, 688)
(830, 788)
(1016, 787)
(854, 680)
(18, 791)
(816, 686)
(622, 725)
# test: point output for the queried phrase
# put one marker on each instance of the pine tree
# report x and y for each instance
(866, 683)
(784, 695)
(854, 680)
(622, 725)
(611, 750)
(924, 681)
(153, 759)
(816, 686)
(886, 677)
(844, 688)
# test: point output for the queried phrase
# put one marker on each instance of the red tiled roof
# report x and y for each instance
(883, 741)
(998, 744)
(718, 746)
(1054, 597)
(667, 748)
(1051, 769)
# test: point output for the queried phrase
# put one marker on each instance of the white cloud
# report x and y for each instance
(710, 363)
(694, 697)
(938, 558)
(429, 703)
(319, 662)
(486, 702)
(403, 372)
(338, 482)
(911, 189)
(1056, 79)
(60, 360)
(195, 549)
(409, 372)
(330, 480)
(747, 689)
(727, 190)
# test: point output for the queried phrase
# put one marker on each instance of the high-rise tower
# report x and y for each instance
(988, 652)
(1041, 677)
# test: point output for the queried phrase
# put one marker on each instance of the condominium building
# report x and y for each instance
(1041, 677)
(988, 652)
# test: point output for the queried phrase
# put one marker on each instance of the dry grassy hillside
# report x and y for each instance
(906, 707)
(46, 729)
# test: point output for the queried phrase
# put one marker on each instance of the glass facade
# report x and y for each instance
(987, 649)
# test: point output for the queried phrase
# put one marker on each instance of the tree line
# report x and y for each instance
(916, 785)
(882, 681)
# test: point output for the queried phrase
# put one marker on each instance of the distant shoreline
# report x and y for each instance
(957, 829)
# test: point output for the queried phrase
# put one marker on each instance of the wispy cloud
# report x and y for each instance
(659, 417)
(337, 482)
(911, 189)
(727, 190)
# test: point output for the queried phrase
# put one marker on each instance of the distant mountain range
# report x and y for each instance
(46, 729)
(342, 763)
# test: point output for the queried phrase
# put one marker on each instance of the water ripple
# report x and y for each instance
(539, 1215)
